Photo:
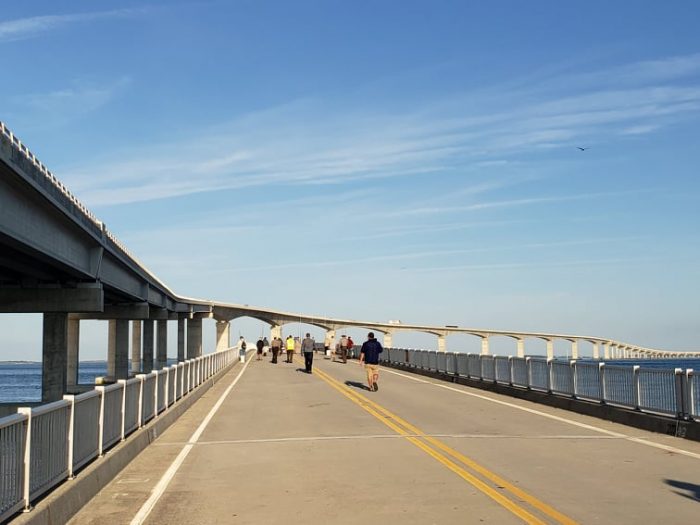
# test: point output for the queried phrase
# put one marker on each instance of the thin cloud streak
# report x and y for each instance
(23, 28)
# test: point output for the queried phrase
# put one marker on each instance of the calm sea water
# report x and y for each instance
(22, 381)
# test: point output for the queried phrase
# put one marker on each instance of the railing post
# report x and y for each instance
(71, 430)
(123, 383)
(550, 373)
(27, 457)
(680, 392)
(637, 386)
(528, 368)
(601, 378)
(101, 421)
(574, 381)
(155, 395)
(140, 408)
(510, 369)
(692, 409)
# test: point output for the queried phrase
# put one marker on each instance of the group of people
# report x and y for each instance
(369, 352)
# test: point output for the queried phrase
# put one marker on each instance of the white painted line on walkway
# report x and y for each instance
(159, 489)
(640, 441)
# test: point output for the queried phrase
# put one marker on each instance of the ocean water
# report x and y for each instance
(22, 381)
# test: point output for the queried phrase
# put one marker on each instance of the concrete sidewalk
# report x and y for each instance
(287, 447)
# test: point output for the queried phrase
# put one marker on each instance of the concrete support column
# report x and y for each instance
(147, 346)
(388, 342)
(54, 357)
(574, 349)
(136, 346)
(442, 343)
(180, 340)
(276, 331)
(485, 345)
(606, 350)
(73, 363)
(550, 349)
(596, 351)
(194, 338)
(161, 343)
(223, 335)
(118, 349)
(521, 348)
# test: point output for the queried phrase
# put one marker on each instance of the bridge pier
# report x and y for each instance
(388, 342)
(223, 335)
(550, 348)
(54, 357)
(442, 343)
(73, 343)
(596, 351)
(574, 349)
(147, 366)
(118, 349)
(161, 344)
(276, 331)
(485, 345)
(136, 346)
(521, 347)
(181, 340)
(194, 338)
(606, 350)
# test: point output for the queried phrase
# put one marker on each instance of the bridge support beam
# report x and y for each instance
(54, 356)
(73, 363)
(388, 340)
(161, 344)
(147, 366)
(485, 345)
(550, 349)
(442, 343)
(606, 350)
(194, 338)
(180, 340)
(521, 348)
(118, 349)
(596, 351)
(223, 335)
(136, 346)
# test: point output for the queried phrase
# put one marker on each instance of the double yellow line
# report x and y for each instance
(455, 461)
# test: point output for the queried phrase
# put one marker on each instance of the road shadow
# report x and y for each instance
(303, 370)
(687, 490)
(359, 386)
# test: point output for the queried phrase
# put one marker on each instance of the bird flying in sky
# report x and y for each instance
(583, 149)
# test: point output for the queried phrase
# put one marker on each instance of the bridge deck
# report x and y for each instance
(285, 447)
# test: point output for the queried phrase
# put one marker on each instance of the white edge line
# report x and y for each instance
(640, 441)
(160, 487)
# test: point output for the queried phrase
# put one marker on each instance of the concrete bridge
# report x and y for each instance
(317, 448)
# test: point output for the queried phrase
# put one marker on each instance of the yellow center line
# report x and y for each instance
(531, 500)
(376, 410)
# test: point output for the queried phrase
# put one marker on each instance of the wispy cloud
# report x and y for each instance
(34, 26)
(306, 143)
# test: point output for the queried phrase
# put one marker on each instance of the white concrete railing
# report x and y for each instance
(42, 446)
(670, 392)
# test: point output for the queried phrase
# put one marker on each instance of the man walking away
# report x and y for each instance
(307, 346)
(344, 348)
(290, 348)
(276, 345)
(266, 346)
(369, 357)
(259, 345)
(242, 345)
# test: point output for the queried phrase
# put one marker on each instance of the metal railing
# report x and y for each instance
(669, 392)
(42, 446)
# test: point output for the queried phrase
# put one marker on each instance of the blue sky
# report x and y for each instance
(380, 160)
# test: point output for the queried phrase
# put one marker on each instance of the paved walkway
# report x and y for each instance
(286, 447)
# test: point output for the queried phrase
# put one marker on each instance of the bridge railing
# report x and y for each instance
(668, 392)
(42, 446)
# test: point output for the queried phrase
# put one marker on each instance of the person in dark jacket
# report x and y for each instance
(369, 358)
(259, 345)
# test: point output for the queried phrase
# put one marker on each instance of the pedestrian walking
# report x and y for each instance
(344, 348)
(266, 346)
(276, 347)
(259, 346)
(242, 345)
(307, 347)
(351, 347)
(369, 358)
(289, 345)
